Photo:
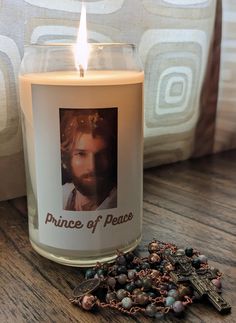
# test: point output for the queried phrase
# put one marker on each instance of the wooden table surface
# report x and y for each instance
(191, 203)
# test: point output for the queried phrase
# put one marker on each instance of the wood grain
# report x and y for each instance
(191, 203)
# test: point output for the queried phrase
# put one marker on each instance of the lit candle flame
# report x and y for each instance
(82, 47)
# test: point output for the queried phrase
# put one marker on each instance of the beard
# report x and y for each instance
(93, 185)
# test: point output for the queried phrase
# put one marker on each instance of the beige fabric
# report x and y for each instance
(12, 183)
(177, 44)
(225, 137)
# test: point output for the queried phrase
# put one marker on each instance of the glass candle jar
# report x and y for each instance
(83, 147)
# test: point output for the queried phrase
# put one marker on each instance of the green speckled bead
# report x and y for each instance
(121, 293)
(132, 274)
(111, 297)
(138, 283)
(130, 287)
(173, 293)
(146, 284)
(126, 303)
(90, 273)
(122, 279)
(189, 252)
(151, 310)
(169, 301)
(196, 263)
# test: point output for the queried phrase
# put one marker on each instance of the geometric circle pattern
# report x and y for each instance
(93, 7)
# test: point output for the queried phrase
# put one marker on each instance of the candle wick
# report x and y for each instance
(81, 71)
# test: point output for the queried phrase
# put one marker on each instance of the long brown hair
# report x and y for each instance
(97, 122)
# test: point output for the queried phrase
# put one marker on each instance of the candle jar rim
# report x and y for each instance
(48, 57)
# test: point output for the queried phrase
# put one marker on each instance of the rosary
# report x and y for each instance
(167, 280)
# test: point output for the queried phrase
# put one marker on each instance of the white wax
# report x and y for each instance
(90, 78)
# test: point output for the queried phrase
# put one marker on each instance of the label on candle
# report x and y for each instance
(89, 158)
(88, 165)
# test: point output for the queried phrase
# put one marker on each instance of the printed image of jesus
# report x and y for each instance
(89, 158)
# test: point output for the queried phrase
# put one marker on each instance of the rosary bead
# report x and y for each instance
(172, 286)
(152, 294)
(129, 257)
(163, 286)
(169, 267)
(169, 301)
(111, 281)
(130, 287)
(121, 270)
(113, 270)
(136, 291)
(217, 283)
(153, 247)
(88, 302)
(129, 265)
(147, 283)
(203, 259)
(183, 291)
(120, 260)
(145, 265)
(138, 283)
(100, 273)
(189, 252)
(178, 307)
(90, 273)
(126, 303)
(111, 296)
(132, 274)
(154, 258)
(155, 273)
(173, 293)
(121, 293)
(151, 310)
(138, 268)
(180, 252)
(122, 279)
(196, 263)
(142, 298)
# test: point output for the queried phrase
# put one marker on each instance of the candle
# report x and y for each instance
(83, 145)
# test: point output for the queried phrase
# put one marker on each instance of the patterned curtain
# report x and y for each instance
(188, 49)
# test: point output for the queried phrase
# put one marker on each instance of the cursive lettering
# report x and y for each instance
(63, 223)
(113, 220)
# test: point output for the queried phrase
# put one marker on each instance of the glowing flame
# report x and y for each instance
(82, 47)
